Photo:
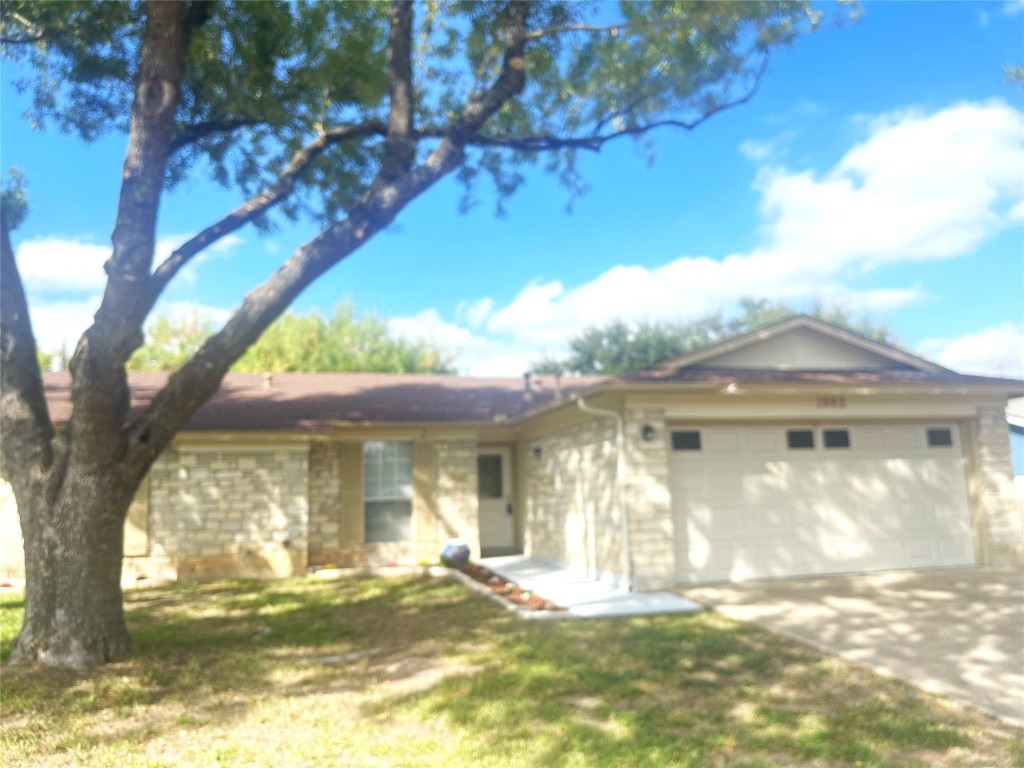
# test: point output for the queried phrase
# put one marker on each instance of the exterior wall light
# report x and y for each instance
(647, 433)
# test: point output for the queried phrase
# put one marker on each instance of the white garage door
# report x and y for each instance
(770, 501)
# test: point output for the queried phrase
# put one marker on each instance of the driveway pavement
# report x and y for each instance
(956, 632)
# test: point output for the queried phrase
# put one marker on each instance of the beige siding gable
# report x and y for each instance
(802, 343)
(802, 349)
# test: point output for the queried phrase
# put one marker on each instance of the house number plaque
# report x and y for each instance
(831, 401)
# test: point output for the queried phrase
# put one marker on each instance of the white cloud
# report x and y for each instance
(476, 355)
(918, 187)
(185, 310)
(166, 244)
(474, 312)
(58, 324)
(61, 264)
(64, 281)
(1013, 7)
(996, 351)
(75, 264)
(765, 150)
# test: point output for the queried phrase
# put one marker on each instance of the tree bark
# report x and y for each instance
(74, 615)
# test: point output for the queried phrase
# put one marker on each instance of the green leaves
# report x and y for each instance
(620, 347)
(262, 79)
(14, 199)
(296, 343)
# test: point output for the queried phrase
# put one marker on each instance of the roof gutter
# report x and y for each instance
(620, 482)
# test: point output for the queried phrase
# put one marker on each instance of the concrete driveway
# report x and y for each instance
(956, 632)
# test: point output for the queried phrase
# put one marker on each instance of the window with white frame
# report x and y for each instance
(387, 491)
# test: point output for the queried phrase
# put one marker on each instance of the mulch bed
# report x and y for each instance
(506, 589)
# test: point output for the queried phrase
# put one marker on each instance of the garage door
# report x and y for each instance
(771, 501)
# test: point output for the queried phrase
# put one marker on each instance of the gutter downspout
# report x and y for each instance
(620, 479)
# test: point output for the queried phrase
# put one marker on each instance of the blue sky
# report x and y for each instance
(881, 167)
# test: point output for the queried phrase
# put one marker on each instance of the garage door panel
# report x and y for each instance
(785, 512)
(919, 550)
(952, 550)
(721, 442)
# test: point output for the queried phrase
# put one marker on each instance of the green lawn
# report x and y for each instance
(421, 672)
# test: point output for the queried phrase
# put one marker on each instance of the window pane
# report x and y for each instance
(800, 438)
(688, 440)
(836, 438)
(388, 521)
(940, 438)
(387, 491)
(488, 472)
(387, 470)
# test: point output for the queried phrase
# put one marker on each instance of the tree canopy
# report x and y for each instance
(620, 347)
(296, 343)
(341, 112)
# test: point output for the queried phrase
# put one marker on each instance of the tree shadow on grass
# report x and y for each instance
(427, 654)
(196, 642)
(681, 691)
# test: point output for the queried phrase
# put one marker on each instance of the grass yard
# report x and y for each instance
(421, 672)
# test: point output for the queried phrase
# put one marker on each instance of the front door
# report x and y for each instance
(494, 475)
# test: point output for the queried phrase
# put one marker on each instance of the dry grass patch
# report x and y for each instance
(421, 672)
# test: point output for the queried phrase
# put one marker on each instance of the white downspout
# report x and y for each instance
(620, 479)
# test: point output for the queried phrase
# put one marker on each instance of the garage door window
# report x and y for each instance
(799, 438)
(940, 437)
(686, 440)
(836, 438)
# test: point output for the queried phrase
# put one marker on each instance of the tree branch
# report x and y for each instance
(35, 33)
(594, 142)
(510, 82)
(200, 377)
(259, 204)
(400, 146)
(198, 131)
(24, 418)
(614, 29)
(99, 384)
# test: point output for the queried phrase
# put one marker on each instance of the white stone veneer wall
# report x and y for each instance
(652, 527)
(239, 512)
(1000, 526)
(572, 508)
(457, 505)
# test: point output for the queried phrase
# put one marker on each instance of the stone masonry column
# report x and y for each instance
(652, 529)
(1000, 518)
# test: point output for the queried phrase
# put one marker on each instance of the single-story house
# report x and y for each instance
(799, 448)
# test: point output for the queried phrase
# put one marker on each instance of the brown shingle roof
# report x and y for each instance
(758, 375)
(320, 400)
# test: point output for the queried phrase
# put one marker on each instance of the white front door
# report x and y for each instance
(494, 477)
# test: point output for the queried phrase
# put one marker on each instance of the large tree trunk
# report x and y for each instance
(74, 616)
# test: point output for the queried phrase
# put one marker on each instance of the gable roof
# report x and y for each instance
(889, 356)
(322, 401)
(889, 366)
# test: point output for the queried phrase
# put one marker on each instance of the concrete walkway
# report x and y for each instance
(583, 597)
(956, 632)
